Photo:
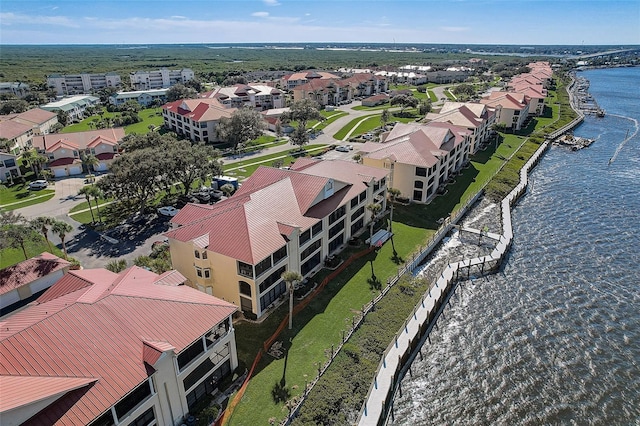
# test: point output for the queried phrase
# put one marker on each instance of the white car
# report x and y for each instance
(38, 184)
(342, 148)
(168, 211)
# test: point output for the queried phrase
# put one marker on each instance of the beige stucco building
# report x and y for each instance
(278, 220)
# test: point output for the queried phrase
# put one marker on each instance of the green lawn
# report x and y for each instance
(10, 256)
(330, 118)
(22, 196)
(244, 169)
(432, 96)
(340, 134)
(148, 116)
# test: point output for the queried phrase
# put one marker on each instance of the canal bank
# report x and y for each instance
(397, 359)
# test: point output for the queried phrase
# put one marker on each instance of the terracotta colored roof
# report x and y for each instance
(63, 162)
(91, 335)
(30, 270)
(418, 144)
(511, 100)
(63, 143)
(28, 389)
(101, 140)
(250, 225)
(36, 116)
(81, 139)
(304, 75)
(199, 109)
(12, 129)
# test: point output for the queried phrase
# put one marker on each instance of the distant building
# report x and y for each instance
(20, 128)
(143, 97)
(159, 79)
(337, 90)
(290, 81)
(76, 84)
(512, 108)
(15, 88)
(25, 281)
(257, 96)
(99, 348)
(74, 106)
(196, 119)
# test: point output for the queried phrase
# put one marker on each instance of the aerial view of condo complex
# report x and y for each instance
(287, 212)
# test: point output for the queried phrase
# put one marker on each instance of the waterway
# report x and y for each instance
(554, 337)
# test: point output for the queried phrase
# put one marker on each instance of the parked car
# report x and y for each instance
(168, 211)
(342, 148)
(38, 184)
(349, 147)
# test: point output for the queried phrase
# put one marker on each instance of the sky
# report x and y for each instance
(521, 22)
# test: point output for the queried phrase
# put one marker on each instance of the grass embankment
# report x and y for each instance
(11, 256)
(343, 387)
(368, 123)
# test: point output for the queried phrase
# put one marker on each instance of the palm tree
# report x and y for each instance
(384, 117)
(96, 193)
(86, 191)
(227, 188)
(62, 229)
(291, 278)
(28, 158)
(374, 209)
(38, 161)
(393, 193)
(42, 224)
(89, 162)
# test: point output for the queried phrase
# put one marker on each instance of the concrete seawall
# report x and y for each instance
(397, 358)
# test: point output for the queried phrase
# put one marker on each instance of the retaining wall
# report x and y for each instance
(397, 357)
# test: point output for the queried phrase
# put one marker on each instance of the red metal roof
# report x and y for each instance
(63, 162)
(30, 270)
(249, 225)
(97, 332)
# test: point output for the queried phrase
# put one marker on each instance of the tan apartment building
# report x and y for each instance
(159, 79)
(475, 117)
(20, 128)
(420, 158)
(290, 81)
(512, 108)
(196, 119)
(335, 91)
(278, 220)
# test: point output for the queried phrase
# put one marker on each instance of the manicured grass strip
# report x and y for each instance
(432, 96)
(148, 116)
(449, 95)
(340, 134)
(18, 196)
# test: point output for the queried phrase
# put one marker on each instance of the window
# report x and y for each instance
(337, 242)
(336, 229)
(304, 237)
(190, 353)
(355, 227)
(317, 228)
(362, 196)
(272, 295)
(204, 254)
(279, 254)
(196, 253)
(131, 401)
(417, 195)
(271, 279)
(207, 273)
(421, 171)
(263, 266)
(354, 202)
(199, 272)
(337, 214)
(311, 263)
(208, 385)
(245, 269)
(10, 163)
(418, 184)
(245, 288)
(145, 418)
(313, 247)
(104, 420)
(357, 213)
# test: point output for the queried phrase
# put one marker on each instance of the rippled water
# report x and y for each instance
(554, 338)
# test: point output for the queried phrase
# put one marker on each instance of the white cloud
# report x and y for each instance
(178, 17)
(260, 14)
(17, 18)
(271, 2)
